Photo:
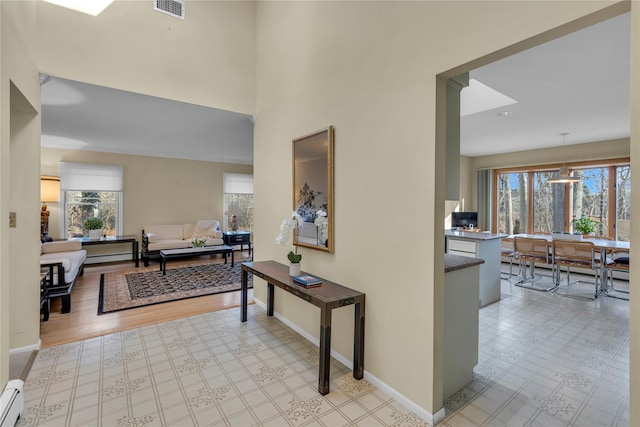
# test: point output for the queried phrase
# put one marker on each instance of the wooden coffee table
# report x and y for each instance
(191, 252)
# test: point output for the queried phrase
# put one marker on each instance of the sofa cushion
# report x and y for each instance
(169, 244)
(153, 238)
(209, 241)
(203, 228)
(164, 232)
(61, 246)
(71, 261)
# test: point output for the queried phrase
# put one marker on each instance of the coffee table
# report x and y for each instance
(191, 252)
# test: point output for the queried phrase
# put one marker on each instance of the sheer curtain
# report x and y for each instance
(485, 186)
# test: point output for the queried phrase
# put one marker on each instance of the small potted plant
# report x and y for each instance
(94, 225)
(584, 225)
(198, 242)
(289, 228)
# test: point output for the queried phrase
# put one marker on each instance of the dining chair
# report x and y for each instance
(507, 251)
(575, 254)
(618, 260)
(529, 252)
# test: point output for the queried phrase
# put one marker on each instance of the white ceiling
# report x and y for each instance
(88, 117)
(577, 84)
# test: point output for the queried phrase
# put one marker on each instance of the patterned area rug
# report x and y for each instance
(134, 288)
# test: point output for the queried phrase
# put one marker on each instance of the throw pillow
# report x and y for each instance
(153, 238)
(205, 229)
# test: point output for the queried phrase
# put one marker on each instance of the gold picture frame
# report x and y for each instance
(313, 189)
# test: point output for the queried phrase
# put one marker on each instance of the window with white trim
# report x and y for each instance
(238, 200)
(91, 190)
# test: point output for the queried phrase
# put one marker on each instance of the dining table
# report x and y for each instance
(603, 245)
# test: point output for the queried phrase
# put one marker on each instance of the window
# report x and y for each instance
(512, 203)
(623, 203)
(238, 200)
(552, 207)
(91, 190)
(591, 197)
(548, 206)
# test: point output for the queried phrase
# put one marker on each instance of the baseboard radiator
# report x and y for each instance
(11, 403)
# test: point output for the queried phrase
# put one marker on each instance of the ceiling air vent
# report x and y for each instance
(170, 7)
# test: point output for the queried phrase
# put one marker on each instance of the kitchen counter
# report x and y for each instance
(461, 323)
(485, 246)
(475, 235)
(458, 262)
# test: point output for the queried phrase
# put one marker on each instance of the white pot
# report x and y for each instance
(94, 234)
(294, 269)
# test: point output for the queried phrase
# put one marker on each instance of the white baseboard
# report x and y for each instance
(32, 347)
(97, 259)
(432, 419)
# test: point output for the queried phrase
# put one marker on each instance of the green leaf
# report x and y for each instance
(294, 258)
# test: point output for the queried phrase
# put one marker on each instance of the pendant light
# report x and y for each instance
(564, 176)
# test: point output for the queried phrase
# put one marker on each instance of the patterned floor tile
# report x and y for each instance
(544, 360)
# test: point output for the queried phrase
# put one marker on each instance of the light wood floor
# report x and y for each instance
(83, 321)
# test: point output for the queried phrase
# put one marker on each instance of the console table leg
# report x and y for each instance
(270, 296)
(243, 295)
(325, 351)
(358, 342)
(134, 248)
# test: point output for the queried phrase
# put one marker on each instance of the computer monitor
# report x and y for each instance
(464, 219)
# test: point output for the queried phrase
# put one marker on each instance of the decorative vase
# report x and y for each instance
(94, 234)
(294, 269)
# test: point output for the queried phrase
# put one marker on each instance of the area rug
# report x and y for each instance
(134, 288)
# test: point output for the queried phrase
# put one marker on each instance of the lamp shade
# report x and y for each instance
(234, 209)
(49, 189)
(564, 177)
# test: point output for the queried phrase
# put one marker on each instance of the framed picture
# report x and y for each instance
(313, 189)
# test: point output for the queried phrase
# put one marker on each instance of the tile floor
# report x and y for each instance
(545, 360)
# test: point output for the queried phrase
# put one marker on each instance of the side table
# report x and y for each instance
(44, 294)
(241, 238)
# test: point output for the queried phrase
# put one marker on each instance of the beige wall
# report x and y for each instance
(634, 277)
(19, 182)
(206, 59)
(369, 69)
(157, 190)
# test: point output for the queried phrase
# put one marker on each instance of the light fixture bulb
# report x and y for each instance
(564, 176)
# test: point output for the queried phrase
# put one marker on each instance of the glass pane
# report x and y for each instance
(591, 198)
(245, 204)
(623, 203)
(512, 203)
(548, 206)
(80, 205)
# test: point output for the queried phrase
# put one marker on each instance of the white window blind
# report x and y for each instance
(83, 177)
(237, 183)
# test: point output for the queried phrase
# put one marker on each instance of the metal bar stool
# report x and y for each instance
(618, 260)
(578, 254)
(530, 250)
(507, 251)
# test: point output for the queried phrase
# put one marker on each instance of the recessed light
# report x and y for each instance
(505, 113)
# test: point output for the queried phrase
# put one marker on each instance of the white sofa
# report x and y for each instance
(176, 236)
(65, 260)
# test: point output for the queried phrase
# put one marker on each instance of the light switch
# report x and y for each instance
(12, 220)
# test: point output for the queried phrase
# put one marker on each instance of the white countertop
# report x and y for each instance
(474, 235)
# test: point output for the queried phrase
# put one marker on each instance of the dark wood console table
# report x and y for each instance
(327, 296)
(113, 240)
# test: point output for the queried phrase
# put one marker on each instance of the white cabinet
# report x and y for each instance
(487, 249)
(460, 328)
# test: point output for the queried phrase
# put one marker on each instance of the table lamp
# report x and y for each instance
(49, 193)
(234, 211)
